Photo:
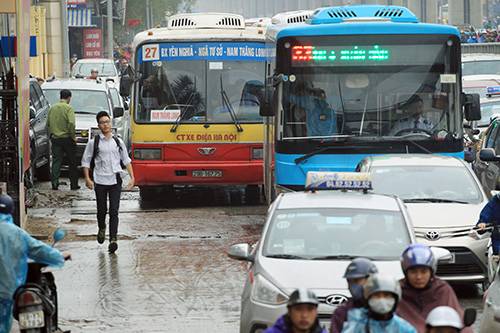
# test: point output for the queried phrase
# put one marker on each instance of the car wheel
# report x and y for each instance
(43, 172)
(147, 193)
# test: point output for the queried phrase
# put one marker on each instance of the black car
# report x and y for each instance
(487, 167)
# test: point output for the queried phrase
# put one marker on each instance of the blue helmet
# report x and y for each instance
(6, 204)
(360, 267)
(418, 255)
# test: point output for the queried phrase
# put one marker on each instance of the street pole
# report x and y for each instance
(65, 38)
(148, 16)
(110, 28)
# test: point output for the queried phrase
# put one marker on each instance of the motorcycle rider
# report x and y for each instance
(302, 315)
(16, 246)
(422, 289)
(381, 295)
(489, 216)
(443, 319)
(356, 274)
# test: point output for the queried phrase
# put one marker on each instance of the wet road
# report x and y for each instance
(171, 272)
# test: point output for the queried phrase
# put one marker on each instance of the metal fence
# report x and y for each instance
(481, 48)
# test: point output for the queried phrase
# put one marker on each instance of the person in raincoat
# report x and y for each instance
(302, 315)
(381, 294)
(16, 246)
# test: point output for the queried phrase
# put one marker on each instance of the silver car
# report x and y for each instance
(308, 240)
(490, 321)
(444, 198)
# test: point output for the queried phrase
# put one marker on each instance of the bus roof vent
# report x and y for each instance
(297, 16)
(206, 21)
(362, 13)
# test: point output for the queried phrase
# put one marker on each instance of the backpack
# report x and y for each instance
(97, 138)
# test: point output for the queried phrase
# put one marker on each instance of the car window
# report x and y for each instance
(431, 182)
(115, 97)
(313, 233)
(41, 96)
(34, 98)
(490, 138)
(83, 101)
(104, 69)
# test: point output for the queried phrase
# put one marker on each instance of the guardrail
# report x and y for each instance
(481, 48)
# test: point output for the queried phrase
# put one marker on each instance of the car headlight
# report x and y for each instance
(147, 154)
(264, 291)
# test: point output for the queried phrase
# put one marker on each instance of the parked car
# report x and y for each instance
(481, 64)
(106, 67)
(479, 83)
(88, 97)
(39, 133)
(490, 321)
(487, 168)
(309, 239)
(444, 198)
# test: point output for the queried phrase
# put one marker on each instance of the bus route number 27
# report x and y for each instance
(151, 52)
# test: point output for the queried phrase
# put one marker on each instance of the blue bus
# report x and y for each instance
(355, 81)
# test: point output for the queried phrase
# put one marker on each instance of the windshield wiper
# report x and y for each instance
(185, 107)
(285, 256)
(85, 112)
(320, 149)
(340, 256)
(434, 200)
(227, 104)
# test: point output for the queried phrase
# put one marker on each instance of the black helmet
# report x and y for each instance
(6, 204)
(360, 267)
(302, 296)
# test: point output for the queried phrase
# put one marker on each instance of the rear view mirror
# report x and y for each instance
(118, 112)
(442, 255)
(239, 252)
(125, 84)
(267, 98)
(469, 316)
(488, 155)
(472, 108)
(32, 112)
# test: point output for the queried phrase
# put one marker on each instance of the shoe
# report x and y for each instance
(76, 187)
(101, 234)
(55, 186)
(113, 246)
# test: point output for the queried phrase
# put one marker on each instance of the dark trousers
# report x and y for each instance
(101, 193)
(59, 148)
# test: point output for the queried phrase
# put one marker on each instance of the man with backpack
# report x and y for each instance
(102, 160)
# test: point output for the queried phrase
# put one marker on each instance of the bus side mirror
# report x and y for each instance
(472, 107)
(125, 84)
(267, 98)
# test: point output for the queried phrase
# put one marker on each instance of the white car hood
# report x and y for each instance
(85, 121)
(444, 215)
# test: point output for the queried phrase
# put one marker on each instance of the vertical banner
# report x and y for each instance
(92, 43)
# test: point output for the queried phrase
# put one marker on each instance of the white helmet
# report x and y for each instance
(444, 316)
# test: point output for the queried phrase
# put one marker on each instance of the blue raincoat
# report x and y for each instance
(16, 246)
(358, 318)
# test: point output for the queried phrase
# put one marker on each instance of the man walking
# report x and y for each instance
(61, 122)
(103, 154)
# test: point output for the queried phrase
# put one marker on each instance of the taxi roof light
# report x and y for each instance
(495, 90)
(325, 180)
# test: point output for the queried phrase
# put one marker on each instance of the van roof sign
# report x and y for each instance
(324, 180)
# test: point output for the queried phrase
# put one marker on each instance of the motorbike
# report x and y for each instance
(493, 260)
(35, 302)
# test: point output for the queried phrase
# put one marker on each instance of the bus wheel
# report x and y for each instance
(147, 193)
(252, 193)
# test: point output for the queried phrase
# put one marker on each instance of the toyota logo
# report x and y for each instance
(335, 300)
(432, 235)
(206, 150)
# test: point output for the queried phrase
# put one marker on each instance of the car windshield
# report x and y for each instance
(104, 69)
(115, 96)
(83, 101)
(431, 183)
(330, 232)
(481, 67)
(489, 110)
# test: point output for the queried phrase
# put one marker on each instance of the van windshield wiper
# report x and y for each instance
(227, 105)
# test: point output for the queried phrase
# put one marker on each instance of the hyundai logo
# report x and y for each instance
(432, 235)
(206, 150)
(335, 300)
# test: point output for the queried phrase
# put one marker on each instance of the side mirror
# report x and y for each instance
(469, 316)
(32, 113)
(125, 84)
(442, 255)
(488, 155)
(58, 235)
(472, 108)
(267, 99)
(239, 252)
(118, 111)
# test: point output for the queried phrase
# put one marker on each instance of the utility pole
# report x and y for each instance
(65, 38)
(148, 16)
(110, 28)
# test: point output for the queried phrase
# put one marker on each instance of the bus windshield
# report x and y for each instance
(340, 91)
(199, 90)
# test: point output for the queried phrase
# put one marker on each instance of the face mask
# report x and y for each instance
(356, 291)
(381, 305)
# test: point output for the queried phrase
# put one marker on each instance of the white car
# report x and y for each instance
(444, 198)
(481, 64)
(309, 239)
(106, 69)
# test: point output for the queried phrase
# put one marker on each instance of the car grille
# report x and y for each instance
(466, 263)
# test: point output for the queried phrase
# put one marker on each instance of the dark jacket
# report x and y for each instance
(491, 214)
(283, 324)
(416, 304)
(339, 316)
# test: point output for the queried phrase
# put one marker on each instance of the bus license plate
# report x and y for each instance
(207, 173)
(31, 319)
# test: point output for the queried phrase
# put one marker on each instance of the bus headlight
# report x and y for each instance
(257, 153)
(147, 154)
